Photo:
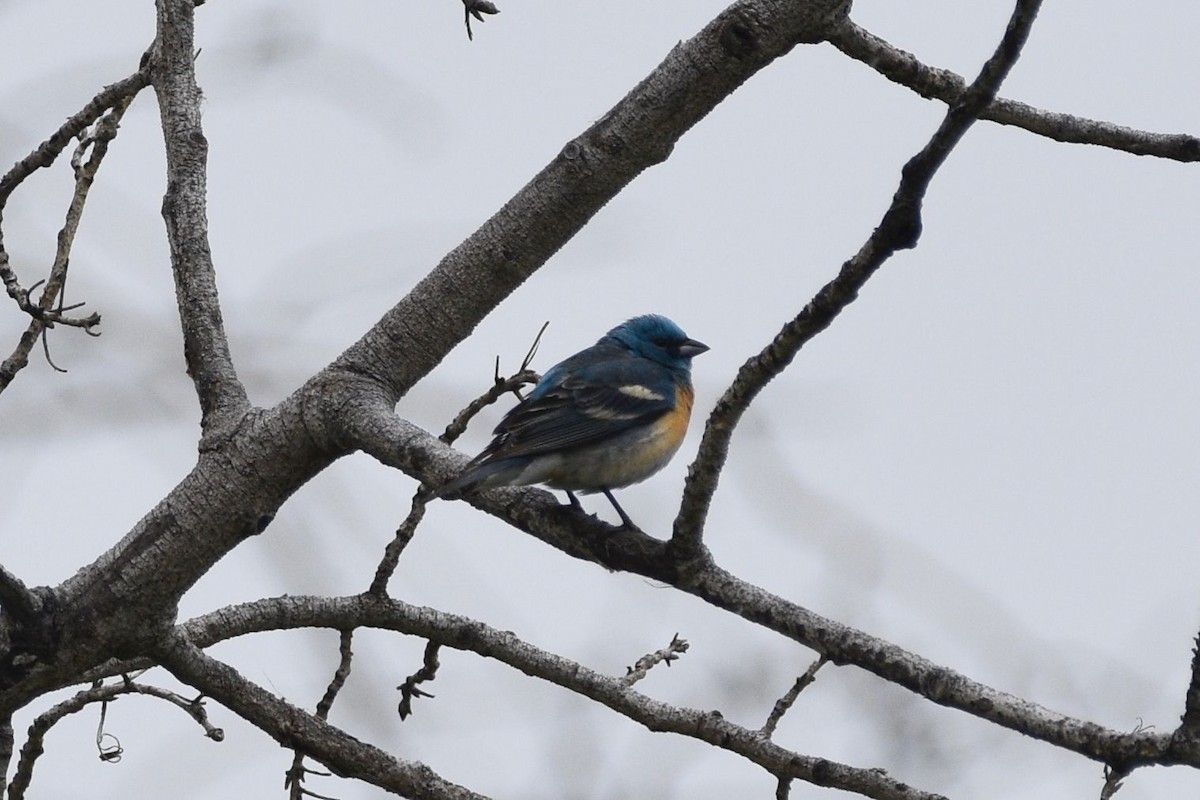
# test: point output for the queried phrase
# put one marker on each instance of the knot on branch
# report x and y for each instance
(739, 34)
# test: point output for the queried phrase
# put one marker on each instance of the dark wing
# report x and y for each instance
(587, 405)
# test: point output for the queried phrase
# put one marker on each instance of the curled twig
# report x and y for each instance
(428, 671)
(98, 693)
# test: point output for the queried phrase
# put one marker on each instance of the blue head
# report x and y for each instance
(658, 339)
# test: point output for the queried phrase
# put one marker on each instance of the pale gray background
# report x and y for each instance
(990, 459)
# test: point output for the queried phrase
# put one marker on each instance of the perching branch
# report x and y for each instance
(580, 536)
(899, 229)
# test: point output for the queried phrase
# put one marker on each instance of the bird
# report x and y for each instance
(607, 417)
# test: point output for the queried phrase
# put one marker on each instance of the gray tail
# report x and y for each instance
(474, 476)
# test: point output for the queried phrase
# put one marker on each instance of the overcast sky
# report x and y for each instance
(990, 459)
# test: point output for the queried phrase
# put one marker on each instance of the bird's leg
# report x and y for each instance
(574, 500)
(628, 523)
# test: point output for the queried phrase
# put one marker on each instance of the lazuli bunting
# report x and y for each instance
(607, 417)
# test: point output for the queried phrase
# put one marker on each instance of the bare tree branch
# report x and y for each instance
(206, 349)
(410, 689)
(941, 84)
(842, 644)
(237, 486)
(784, 704)
(462, 633)
(1188, 732)
(44, 314)
(252, 460)
(578, 535)
(6, 750)
(298, 730)
(899, 229)
(35, 743)
(294, 781)
(16, 600)
(591, 169)
(45, 154)
(647, 662)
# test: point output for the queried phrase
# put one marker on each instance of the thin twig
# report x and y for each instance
(477, 8)
(395, 548)
(294, 728)
(647, 662)
(408, 528)
(410, 688)
(500, 387)
(44, 314)
(294, 778)
(1114, 778)
(783, 704)
(123, 91)
(899, 229)
(941, 84)
(34, 744)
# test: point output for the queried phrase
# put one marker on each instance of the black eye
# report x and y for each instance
(659, 341)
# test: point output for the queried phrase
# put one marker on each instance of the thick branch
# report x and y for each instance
(575, 533)
(941, 84)
(1188, 732)
(899, 229)
(842, 644)
(6, 750)
(590, 170)
(206, 350)
(16, 601)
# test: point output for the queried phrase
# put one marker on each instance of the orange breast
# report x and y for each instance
(675, 424)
